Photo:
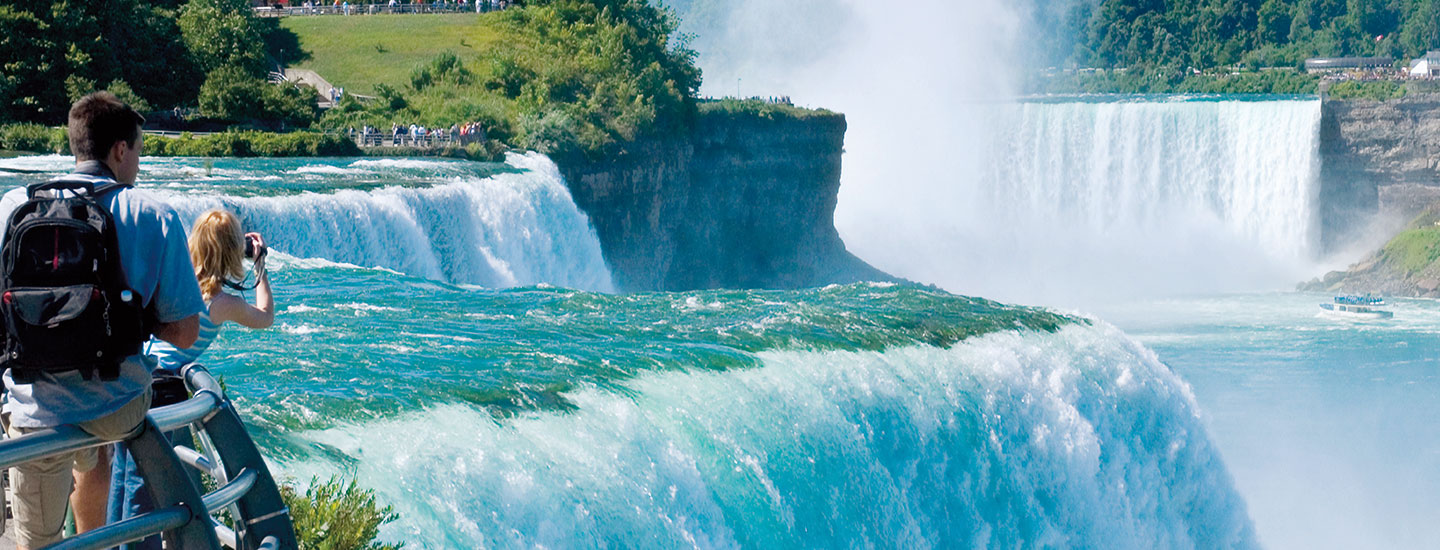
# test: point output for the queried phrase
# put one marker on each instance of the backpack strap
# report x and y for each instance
(94, 186)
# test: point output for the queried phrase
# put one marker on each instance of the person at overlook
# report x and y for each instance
(218, 249)
(106, 138)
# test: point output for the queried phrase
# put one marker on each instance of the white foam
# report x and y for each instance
(1075, 439)
(400, 163)
(512, 229)
(300, 329)
(45, 163)
(363, 307)
(324, 169)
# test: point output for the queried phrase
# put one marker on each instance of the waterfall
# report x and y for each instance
(1076, 200)
(504, 230)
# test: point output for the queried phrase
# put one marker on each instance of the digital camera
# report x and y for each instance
(250, 252)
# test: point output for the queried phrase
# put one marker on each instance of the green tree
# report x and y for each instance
(230, 93)
(1421, 30)
(31, 68)
(223, 33)
(1274, 22)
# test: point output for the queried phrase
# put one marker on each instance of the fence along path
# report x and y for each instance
(182, 516)
(374, 9)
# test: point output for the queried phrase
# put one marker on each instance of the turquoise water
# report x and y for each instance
(1331, 427)
(443, 338)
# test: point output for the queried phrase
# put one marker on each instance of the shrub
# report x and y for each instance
(389, 97)
(34, 138)
(445, 68)
(1380, 90)
(253, 144)
(336, 515)
(128, 95)
(231, 94)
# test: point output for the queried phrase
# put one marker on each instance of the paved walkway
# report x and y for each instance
(314, 80)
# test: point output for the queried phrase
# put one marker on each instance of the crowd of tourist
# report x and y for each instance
(347, 7)
(416, 135)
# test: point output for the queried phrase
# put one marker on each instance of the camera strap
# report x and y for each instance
(240, 285)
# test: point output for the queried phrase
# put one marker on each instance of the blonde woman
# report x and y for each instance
(218, 248)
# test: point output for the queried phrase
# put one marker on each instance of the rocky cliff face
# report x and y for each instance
(745, 201)
(1380, 164)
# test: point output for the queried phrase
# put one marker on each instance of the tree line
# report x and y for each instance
(155, 54)
(1221, 33)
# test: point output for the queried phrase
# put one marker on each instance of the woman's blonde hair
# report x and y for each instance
(217, 250)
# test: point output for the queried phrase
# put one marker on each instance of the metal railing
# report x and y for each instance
(375, 9)
(433, 139)
(182, 515)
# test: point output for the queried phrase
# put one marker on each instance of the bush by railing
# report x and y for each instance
(759, 108)
(253, 144)
(33, 138)
(336, 515)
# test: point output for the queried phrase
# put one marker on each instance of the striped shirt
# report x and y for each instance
(172, 359)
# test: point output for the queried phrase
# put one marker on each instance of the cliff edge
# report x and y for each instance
(1380, 165)
(746, 200)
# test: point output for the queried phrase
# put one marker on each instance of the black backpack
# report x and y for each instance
(64, 300)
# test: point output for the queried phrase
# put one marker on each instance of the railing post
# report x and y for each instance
(170, 485)
(262, 512)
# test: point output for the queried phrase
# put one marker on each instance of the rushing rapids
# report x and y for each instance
(515, 413)
(496, 225)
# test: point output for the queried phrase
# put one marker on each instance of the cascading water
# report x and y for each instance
(1244, 171)
(491, 225)
(1086, 201)
(505, 230)
(949, 180)
(822, 418)
(1101, 199)
(858, 415)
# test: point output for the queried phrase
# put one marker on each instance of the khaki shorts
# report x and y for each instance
(42, 487)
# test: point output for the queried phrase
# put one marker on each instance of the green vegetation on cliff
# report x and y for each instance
(1379, 90)
(1413, 249)
(761, 109)
(1416, 248)
(1174, 80)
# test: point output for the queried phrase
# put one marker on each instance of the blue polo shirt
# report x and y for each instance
(156, 259)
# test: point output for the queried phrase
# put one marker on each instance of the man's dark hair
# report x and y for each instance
(98, 121)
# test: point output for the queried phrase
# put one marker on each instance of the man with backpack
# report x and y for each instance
(104, 307)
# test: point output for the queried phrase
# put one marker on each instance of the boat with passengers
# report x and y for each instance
(1366, 306)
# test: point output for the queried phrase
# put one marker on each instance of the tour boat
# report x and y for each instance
(1366, 307)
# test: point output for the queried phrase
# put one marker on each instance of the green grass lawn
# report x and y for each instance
(360, 51)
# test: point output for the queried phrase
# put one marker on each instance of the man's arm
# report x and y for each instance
(182, 334)
(177, 294)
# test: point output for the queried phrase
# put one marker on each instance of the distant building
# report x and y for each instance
(1333, 64)
(1426, 67)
